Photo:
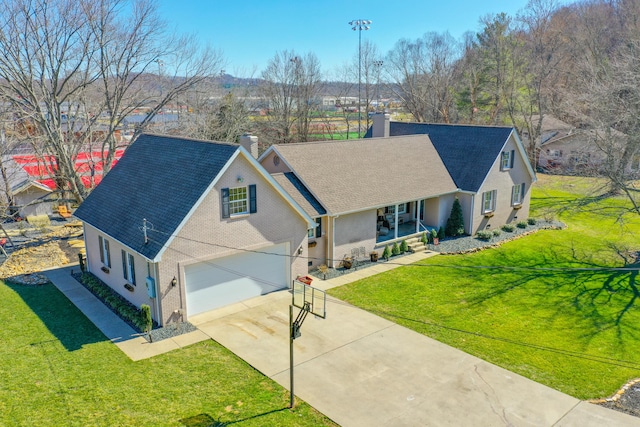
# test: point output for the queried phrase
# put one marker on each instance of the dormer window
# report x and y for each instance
(506, 160)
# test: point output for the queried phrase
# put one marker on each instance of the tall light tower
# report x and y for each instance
(378, 64)
(359, 25)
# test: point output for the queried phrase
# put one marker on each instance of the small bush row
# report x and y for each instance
(509, 228)
(127, 311)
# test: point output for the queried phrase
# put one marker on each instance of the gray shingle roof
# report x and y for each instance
(299, 193)
(159, 179)
(467, 151)
(353, 175)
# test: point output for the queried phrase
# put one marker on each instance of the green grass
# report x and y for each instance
(57, 369)
(573, 330)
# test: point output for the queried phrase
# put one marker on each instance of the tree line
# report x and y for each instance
(73, 70)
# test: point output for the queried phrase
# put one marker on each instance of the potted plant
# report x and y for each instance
(434, 237)
(374, 256)
(346, 262)
(324, 270)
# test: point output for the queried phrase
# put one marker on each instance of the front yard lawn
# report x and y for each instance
(57, 369)
(550, 306)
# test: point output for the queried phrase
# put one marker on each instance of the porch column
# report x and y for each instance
(417, 216)
(395, 219)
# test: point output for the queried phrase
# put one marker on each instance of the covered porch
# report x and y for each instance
(406, 229)
(405, 219)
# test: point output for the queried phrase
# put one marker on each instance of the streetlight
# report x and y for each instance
(377, 65)
(359, 25)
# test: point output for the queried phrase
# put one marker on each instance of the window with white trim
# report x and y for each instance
(105, 254)
(489, 201)
(128, 267)
(517, 194)
(506, 160)
(402, 208)
(239, 201)
(317, 230)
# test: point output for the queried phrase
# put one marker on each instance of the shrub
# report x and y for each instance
(386, 253)
(395, 249)
(455, 223)
(146, 317)
(441, 234)
(532, 221)
(432, 235)
(496, 232)
(404, 247)
(484, 235)
(123, 308)
(424, 239)
(522, 224)
(508, 228)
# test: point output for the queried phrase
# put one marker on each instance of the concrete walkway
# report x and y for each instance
(361, 370)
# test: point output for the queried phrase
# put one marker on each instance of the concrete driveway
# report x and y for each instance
(362, 370)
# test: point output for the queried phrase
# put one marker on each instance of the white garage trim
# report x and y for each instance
(227, 280)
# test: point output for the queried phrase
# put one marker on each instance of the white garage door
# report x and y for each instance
(231, 279)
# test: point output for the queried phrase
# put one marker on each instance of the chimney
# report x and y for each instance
(381, 125)
(250, 143)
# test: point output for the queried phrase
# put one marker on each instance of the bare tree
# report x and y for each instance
(74, 69)
(422, 71)
(291, 86)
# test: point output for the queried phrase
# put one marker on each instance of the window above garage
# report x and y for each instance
(238, 201)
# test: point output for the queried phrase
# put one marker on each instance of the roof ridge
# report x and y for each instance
(186, 138)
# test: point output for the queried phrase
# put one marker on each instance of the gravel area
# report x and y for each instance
(452, 245)
(626, 400)
(172, 330)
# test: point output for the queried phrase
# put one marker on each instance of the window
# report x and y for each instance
(105, 255)
(128, 268)
(517, 194)
(556, 154)
(317, 230)
(402, 208)
(239, 201)
(489, 201)
(507, 158)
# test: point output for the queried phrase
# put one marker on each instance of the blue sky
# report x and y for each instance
(250, 32)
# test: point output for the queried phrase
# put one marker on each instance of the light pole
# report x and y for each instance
(378, 64)
(359, 25)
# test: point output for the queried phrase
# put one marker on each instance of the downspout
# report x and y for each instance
(157, 285)
(473, 201)
(333, 240)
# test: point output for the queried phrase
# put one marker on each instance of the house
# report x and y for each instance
(566, 149)
(186, 226)
(88, 164)
(400, 181)
(30, 197)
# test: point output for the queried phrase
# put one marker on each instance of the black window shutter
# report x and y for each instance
(133, 269)
(513, 155)
(522, 193)
(225, 203)
(253, 207)
(101, 244)
(319, 227)
(106, 246)
(124, 264)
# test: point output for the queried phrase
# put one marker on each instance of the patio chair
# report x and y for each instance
(64, 212)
